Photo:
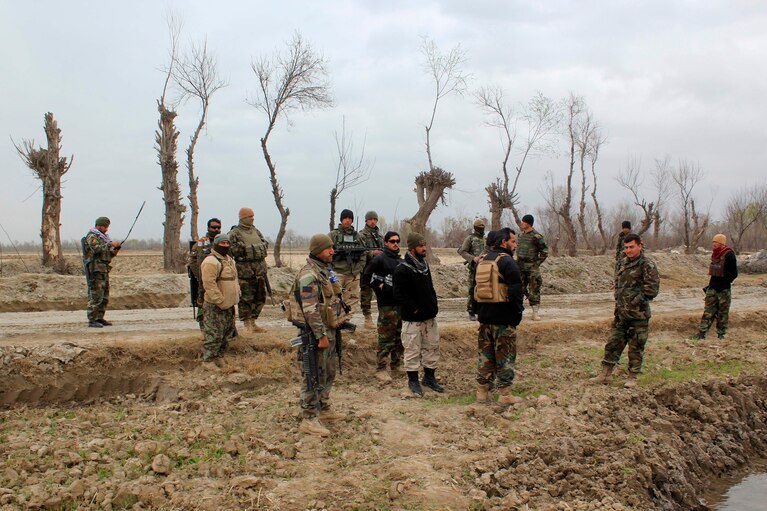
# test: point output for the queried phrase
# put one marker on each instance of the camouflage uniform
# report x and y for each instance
(98, 256)
(723, 271)
(619, 249)
(473, 246)
(636, 283)
(249, 249)
(348, 268)
(497, 354)
(370, 237)
(218, 328)
(390, 349)
(317, 296)
(197, 254)
(219, 274)
(532, 250)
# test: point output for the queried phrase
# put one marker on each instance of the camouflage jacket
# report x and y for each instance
(472, 247)
(198, 252)
(370, 237)
(531, 248)
(317, 295)
(248, 250)
(348, 263)
(619, 246)
(97, 254)
(636, 283)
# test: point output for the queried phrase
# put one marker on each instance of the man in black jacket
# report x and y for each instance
(723, 271)
(414, 291)
(498, 293)
(379, 276)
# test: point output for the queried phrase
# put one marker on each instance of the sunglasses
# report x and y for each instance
(215, 227)
(393, 241)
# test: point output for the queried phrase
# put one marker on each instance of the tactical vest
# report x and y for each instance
(331, 311)
(253, 247)
(490, 286)
(95, 263)
(716, 268)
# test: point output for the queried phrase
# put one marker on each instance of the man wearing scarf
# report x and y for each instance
(98, 251)
(379, 276)
(249, 252)
(723, 271)
(222, 291)
(414, 290)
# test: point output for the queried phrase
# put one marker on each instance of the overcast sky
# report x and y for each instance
(685, 79)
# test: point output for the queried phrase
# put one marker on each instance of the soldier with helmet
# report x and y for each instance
(470, 250)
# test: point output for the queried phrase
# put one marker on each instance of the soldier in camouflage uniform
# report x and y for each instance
(636, 283)
(379, 274)
(532, 250)
(197, 254)
(470, 250)
(350, 257)
(218, 275)
(723, 271)
(370, 237)
(249, 249)
(318, 290)
(625, 229)
(98, 251)
(499, 317)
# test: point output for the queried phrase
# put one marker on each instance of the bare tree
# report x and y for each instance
(597, 139)
(686, 177)
(541, 117)
(584, 128)
(574, 108)
(166, 138)
(631, 179)
(295, 79)
(351, 169)
(662, 194)
(449, 78)
(196, 75)
(551, 221)
(744, 209)
(49, 167)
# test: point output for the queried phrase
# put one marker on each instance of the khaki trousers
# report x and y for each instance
(421, 342)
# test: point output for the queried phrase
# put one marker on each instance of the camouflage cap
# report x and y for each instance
(370, 215)
(318, 243)
(479, 223)
(103, 221)
(220, 237)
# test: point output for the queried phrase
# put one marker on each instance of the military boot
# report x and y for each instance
(369, 322)
(257, 329)
(412, 383)
(631, 381)
(250, 325)
(104, 322)
(95, 324)
(698, 336)
(331, 416)
(536, 316)
(431, 381)
(483, 393)
(605, 377)
(313, 427)
(507, 398)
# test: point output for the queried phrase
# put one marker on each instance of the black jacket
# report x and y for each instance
(414, 291)
(379, 276)
(730, 273)
(504, 313)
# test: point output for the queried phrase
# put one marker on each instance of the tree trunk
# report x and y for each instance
(497, 204)
(278, 196)
(333, 197)
(564, 212)
(194, 182)
(51, 181)
(582, 206)
(166, 138)
(430, 190)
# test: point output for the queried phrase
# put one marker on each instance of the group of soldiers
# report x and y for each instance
(345, 267)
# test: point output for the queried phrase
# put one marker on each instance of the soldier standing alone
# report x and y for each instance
(249, 249)
(532, 250)
(370, 236)
(723, 270)
(98, 251)
(470, 250)
(636, 283)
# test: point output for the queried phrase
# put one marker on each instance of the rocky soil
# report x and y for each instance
(128, 418)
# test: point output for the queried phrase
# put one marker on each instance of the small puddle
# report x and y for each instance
(748, 493)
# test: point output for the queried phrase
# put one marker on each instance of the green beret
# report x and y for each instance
(415, 239)
(318, 243)
(103, 221)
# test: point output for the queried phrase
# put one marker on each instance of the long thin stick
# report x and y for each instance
(134, 222)
(14, 247)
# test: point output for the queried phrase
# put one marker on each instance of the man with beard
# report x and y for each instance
(222, 292)
(370, 237)
(414, 291)
(197, 255)
(723, 270)
(471, 249)
(498, 293)
(98, 251)
(249, 249)
(379, 274)
(349, 257)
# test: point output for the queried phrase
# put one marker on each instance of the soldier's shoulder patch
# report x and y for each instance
(538, 235)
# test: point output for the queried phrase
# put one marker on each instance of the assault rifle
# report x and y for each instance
(194, 284)
(351, 254)
(309, 366)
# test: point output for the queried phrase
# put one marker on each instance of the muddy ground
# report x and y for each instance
(127, 418)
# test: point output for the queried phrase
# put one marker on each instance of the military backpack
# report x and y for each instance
(490, 286)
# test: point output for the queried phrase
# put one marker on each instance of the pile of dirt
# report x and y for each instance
(755, 263)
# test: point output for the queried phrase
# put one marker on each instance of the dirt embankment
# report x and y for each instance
(137, 281)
